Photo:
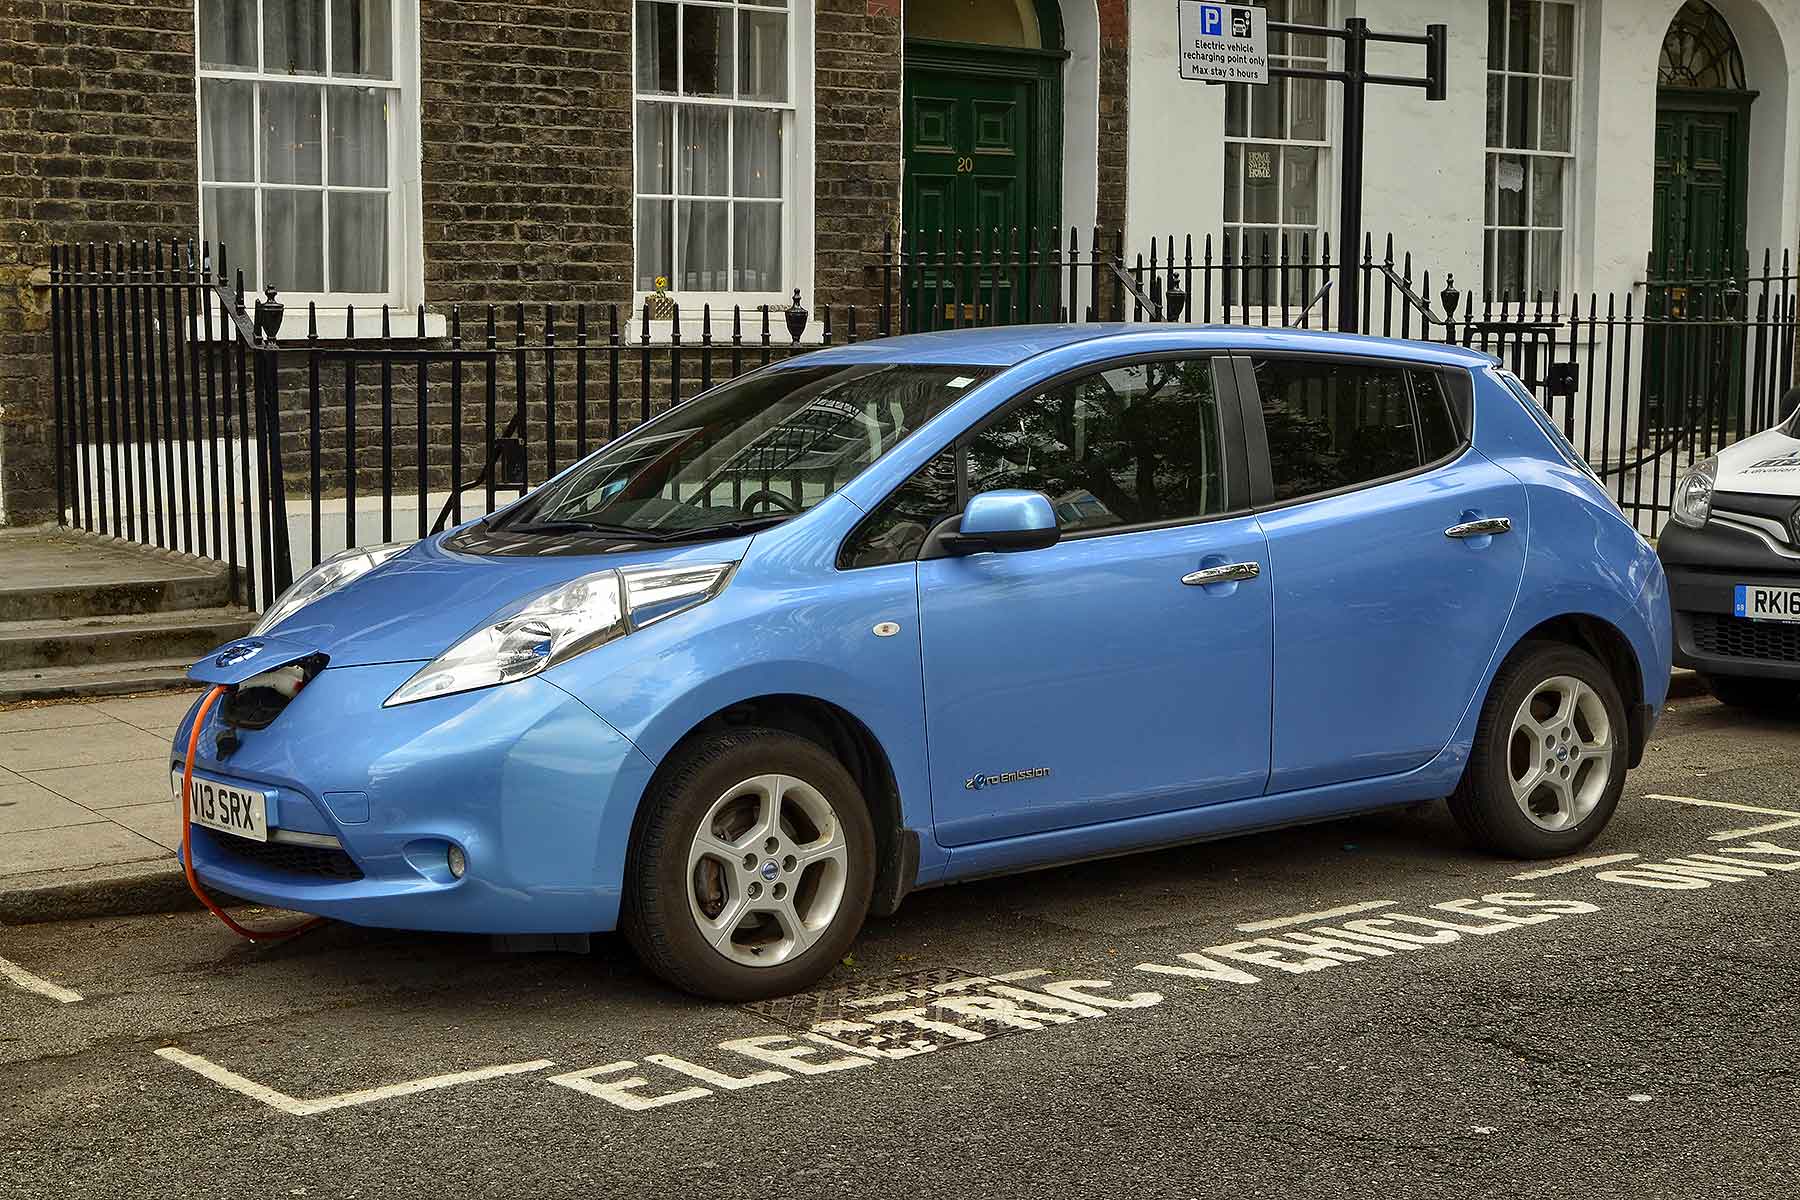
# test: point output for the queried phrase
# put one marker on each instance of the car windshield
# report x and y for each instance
(747, 454)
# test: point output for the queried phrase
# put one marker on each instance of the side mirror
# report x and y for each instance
(1009, 519)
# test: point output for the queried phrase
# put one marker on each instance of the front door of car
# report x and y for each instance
(1098, 679)
(1390, 600)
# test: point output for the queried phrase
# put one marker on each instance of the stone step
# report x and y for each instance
(101, 679)
(174, 593)
(57, 573)
(127, 639)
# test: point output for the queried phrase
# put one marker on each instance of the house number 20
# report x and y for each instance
(964, 165)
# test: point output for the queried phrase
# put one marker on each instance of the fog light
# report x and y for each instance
(458, 862)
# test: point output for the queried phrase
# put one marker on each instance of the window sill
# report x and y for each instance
(751, 330)
(333, 325)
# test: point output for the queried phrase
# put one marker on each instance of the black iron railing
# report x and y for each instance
(162, 383)
(1009, 277)
(181, 421)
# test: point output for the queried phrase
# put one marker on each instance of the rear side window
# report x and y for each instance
(1334, 425)
(1439, 432)
(1131, 445)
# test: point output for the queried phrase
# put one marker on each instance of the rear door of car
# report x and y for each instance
(1395, 551)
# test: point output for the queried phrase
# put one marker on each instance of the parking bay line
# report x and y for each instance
(1772, 827)
(1727, 835)
(1311, 918)
(1744, 808)
(1580, 864)
(293, 1106)
(22, 978)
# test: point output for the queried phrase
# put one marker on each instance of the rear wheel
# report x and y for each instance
(752, 867)
(1756, 695)
(1549, 758)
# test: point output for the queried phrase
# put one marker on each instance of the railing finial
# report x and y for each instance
(269, 312)
(796, 318)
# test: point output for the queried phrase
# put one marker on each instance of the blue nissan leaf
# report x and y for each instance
(898, 614)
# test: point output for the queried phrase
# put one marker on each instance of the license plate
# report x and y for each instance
(1766, 603)
(225, 807)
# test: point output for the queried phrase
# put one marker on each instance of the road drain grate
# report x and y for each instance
(896, 1016)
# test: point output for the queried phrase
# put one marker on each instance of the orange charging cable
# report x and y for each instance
(187, 840)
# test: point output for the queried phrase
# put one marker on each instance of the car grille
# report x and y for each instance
(1734, 637)
(324, 862)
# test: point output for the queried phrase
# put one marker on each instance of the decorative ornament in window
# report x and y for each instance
(1700, 51)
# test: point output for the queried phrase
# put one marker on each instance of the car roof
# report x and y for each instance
(1009, 345)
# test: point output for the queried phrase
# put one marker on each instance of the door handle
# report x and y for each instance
(1486, 527)
(1229, 573)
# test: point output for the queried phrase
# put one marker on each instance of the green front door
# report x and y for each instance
(1698, 222)
(1692, 355)
(981, 172)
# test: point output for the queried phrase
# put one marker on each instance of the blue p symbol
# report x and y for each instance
(1212, 21)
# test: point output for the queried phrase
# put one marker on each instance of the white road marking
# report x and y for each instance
(1730, 834)
(1746, 808)
(1311, 917)
(34, 983)
(1580, 864)
(305, 1108)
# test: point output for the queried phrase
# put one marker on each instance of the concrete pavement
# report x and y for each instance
(87, 825)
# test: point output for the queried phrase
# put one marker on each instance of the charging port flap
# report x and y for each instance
(246, 658)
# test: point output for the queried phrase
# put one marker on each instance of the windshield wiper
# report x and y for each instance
(597, 529)
(724, 528)
(588, 527)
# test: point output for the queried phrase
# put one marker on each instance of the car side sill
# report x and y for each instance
(1257, 814)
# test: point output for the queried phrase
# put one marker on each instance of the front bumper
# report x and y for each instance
(1704, 567)
(538, 791)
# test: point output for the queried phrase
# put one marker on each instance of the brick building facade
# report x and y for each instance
(432, 154)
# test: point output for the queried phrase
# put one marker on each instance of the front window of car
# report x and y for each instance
(746, 455)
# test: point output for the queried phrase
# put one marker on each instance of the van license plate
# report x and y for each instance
(1766, 603)
(225, 808)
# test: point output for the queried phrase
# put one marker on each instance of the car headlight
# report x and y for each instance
(1694, 493)
(553, 627)
(335, 572)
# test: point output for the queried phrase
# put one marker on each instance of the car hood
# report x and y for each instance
(1765, 465)
(416, 605)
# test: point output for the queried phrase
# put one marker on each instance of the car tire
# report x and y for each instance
(1754, 695)
(761, 824)
(1549, 758)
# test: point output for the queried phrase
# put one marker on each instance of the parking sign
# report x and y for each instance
(1223, 43)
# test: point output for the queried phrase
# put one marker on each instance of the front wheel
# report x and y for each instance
(1549, 758)
(752, 867)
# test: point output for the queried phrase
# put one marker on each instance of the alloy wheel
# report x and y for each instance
(767, 869)
(1560, 753)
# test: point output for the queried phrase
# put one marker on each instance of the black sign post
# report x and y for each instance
(1355, 76)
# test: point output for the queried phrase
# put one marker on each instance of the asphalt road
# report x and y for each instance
(1622, 1028)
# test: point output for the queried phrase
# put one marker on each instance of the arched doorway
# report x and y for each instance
(1697, 235)
(982, 133)
(1702, 147)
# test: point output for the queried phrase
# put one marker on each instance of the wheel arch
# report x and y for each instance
(1610, 645)
(853, 744)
